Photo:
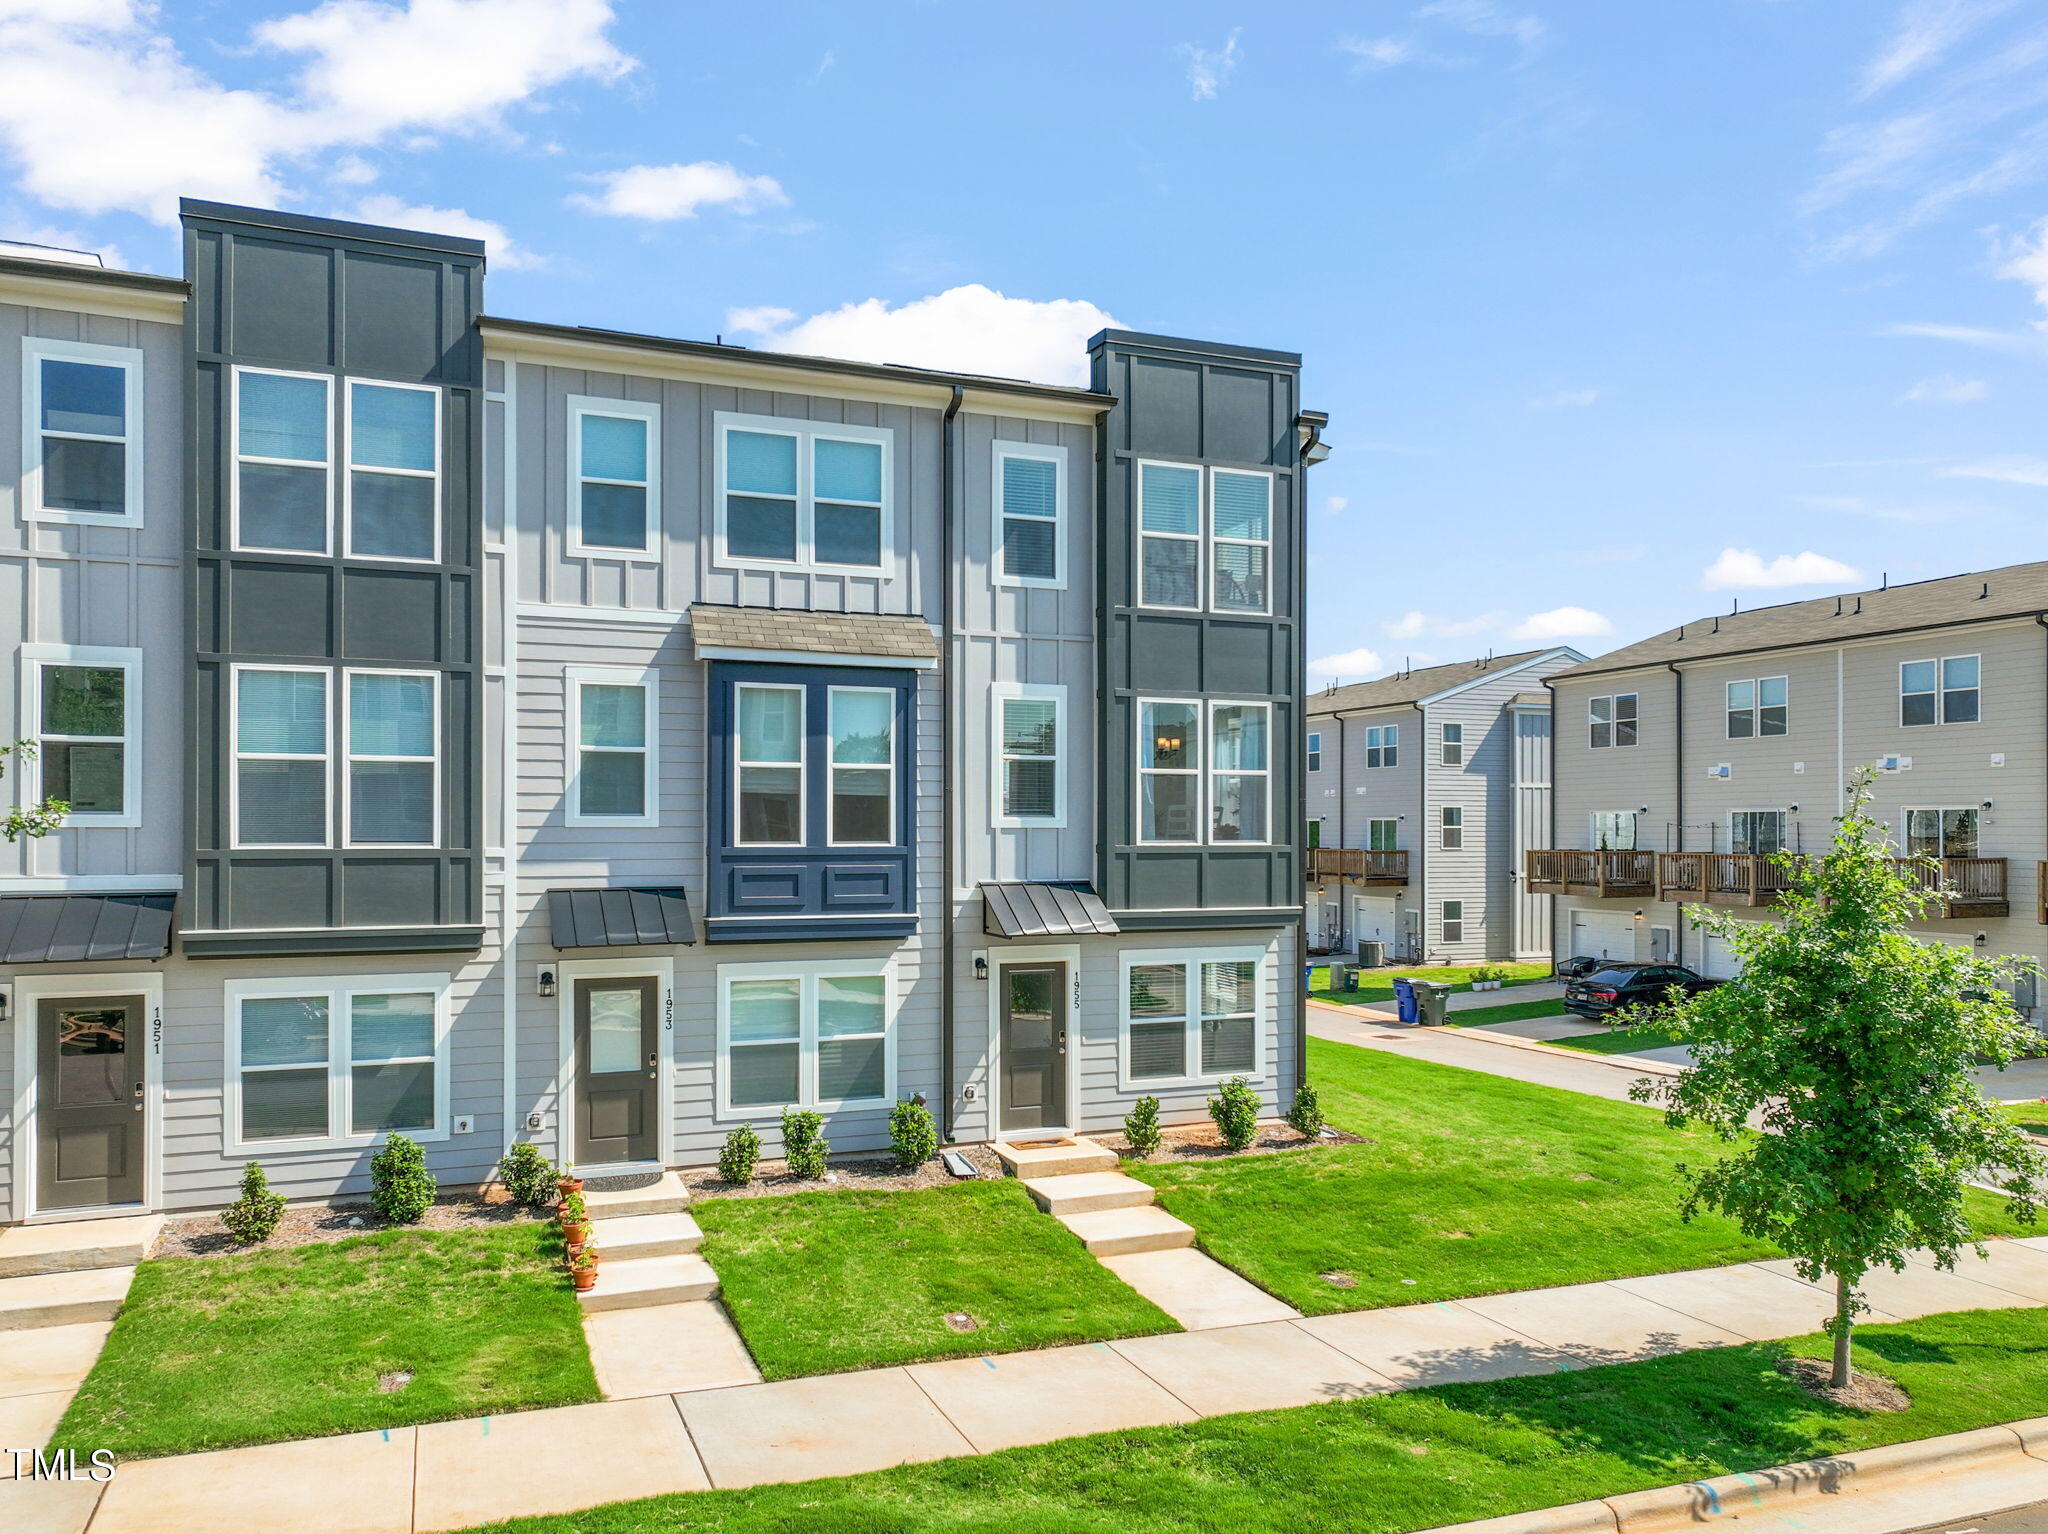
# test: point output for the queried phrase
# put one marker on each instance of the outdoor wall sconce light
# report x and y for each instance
(546, 986)
(980, 967)
(1792, 809)
(1983, 939)
(1986, 804)
(1639, 913)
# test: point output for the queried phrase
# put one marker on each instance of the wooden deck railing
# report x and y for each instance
(1365, 864)
(1561, 870)
(1721, 878)
(1977, 886)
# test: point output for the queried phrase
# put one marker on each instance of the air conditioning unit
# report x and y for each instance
(1893, 762)
(1721, 770)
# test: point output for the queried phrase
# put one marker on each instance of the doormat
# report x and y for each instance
(625, 1182)
(1039, 1144)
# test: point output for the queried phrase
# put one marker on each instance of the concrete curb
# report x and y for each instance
(1782, 1494)
(1635, 1065)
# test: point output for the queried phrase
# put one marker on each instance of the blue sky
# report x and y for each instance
(1622, 312)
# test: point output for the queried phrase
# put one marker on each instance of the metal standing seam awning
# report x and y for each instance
(1030, 909)
(616, 918)
(74, 929)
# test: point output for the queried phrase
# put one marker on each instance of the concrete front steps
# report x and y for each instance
(1122, 1232)
(1077, 1182)
(646, 1249)
(72, 1271)
(1053, 1156)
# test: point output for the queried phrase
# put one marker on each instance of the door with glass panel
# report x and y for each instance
(618, 1056)
(89, 1102)
(1034, 1047)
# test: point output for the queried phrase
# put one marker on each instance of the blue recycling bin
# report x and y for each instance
(1404, 999)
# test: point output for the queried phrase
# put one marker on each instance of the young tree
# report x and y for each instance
(1852, 1043)
(37, 820)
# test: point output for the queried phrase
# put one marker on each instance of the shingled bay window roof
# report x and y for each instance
(770, 633)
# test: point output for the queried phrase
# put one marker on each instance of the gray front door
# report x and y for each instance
(89, 1107)
(618, 1057)
(1034, 1047)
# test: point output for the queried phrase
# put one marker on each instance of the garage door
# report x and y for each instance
(1602, 935)
(1373, 920)
(1717, 959)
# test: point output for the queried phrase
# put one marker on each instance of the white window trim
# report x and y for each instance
(1611, 699)
(802, 763)
(236, 756)
(1756, 707)
(649, 413)
(1204, 538)
(1056, 456)
(1204, 771)
(1450, 831)
(1785, 839)
(349, 756)
(1315, 751)
(1057, 696)
(336, 990)
(1634, 820)
(349, 467)
(1216, 540)
(1906, 813)
(808, 972)
(1382, 738)
(236, 458)
(1382, 820)
(1193, 958)
(1940, 664)
(806, 433)
(127, 358)
(575, 679)
(834, 767)
(1445, 921)
(29, 784)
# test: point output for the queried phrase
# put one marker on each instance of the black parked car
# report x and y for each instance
(1630, 983)
(1573, 969)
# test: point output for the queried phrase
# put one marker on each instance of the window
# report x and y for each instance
(803, 495)
(769, 742)
(1314, 830)
(1315, 750)
(614, 478)
(1183, 508)
(1179, 792)
(805, 1035)
(82, 709)
(1031, 787)
(1383, 745)
(1030, 498)
(393, 773)
(863, 790)
(1382, 835)
(1759, 832)
(1192, 1016)
(281, 757)
(317, 1063)
(1614, 830)
(1756, 708)
(1453, 745)
(1611, 720)
(81, 439)
(394, 471)
(611, 762)
(284, 443)
(1941, 833)
(1453, 827)
(1939, 691)
(1454, 921)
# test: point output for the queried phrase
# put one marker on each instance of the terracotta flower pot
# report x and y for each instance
(576, 1234)
(568, 1185)
(585, 1278)
(575, 1249)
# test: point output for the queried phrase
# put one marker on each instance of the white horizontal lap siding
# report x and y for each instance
(1765, 772)
(1614, 778)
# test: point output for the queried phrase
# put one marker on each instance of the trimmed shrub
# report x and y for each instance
(1235, 1108)
(1306, 1116)
(401, 1187)
(915, 1135)
(804, 1146)
(737, 1156)
(253, 1216)
(528, 1176)
(1141, 1127)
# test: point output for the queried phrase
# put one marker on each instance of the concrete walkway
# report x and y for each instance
(1608, 1076)
(452, 1475)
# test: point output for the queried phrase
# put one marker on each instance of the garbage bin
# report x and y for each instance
(1429, 1002)
(1404, 998)
(1343, 977)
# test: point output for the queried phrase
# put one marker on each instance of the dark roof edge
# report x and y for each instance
(63, 271)
(1147, 341)
(1652, 663)
(336, 228)
(794, 360)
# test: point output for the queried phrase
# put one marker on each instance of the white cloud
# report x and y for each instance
(1408, 626)
(1482, 18)
(1209, 71)
(1562, 623)
(1413, 625)
(61, 239)
(1361, 663)
(2026, 260)
(970, 329)
(1381, 52)
(1945, 389)
(1334, 505)
(1564, 399)
(499, 247)
(1746, 570)
(2010, 469)
(1926, 30)
(660, 193)
(1969, 335)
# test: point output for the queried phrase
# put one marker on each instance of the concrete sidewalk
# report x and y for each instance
(1608, 1076)
(452, 1475)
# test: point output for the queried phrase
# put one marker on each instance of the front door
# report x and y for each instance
(1034, 1047)
(89, 1104)
(618, 1068)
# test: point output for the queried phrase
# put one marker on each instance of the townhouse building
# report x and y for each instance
(1425, 788)
(1684, 761)
(494, 729)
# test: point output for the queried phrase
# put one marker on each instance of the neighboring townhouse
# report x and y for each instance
(491, 729)
(1424, 790)
(1684, 761)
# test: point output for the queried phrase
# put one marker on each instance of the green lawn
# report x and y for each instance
(213, 1352)
(1378, 984)
(1394, 1463)
(1620, 1041)
(1511, 1012)
(2032, 1117)
(1474, 1185)
(824, 1282)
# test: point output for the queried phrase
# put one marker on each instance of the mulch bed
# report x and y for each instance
(877, 1174)
(203, 1235)
(1865, 1392)
(1198, 1142)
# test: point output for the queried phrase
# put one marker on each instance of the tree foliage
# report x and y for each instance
(1850, 1042)
(36, 819)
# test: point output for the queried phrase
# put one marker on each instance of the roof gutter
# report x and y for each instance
(949, 680)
